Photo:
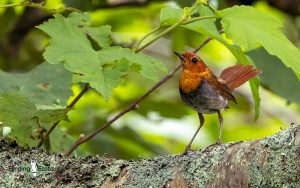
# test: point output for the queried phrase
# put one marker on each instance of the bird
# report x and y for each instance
(206, 93)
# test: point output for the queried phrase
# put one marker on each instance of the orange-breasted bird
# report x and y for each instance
(206, 93)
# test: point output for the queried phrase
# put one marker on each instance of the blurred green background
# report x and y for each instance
(163, 123)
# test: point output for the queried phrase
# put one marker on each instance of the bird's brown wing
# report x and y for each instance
(221, 88)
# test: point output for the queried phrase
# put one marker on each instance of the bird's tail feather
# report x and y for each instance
(237, 75)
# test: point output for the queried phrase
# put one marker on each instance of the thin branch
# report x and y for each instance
(83, 91)
(68, 108)
(27, 3)
(132, 106)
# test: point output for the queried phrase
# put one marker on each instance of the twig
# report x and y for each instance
(27, 3)
(68, 108)
(132, 106)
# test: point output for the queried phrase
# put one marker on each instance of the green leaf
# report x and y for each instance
(101, 35)
(249, 28)
(21, 115)
(81, 20)
(169, 16)
(104, 80)
(286, 84)
(150, 67)
(17, 112)
(70, 46)
(206, 26)
(45, 85)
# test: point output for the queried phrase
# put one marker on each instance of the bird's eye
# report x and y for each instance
(194, 60)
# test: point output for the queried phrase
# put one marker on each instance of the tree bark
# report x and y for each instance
(270, 162)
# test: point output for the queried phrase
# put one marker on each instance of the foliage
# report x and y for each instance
(81, 52)
(30, 103)
(70, 45)
(246, 28)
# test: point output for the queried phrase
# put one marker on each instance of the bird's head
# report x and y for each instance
(191, 62)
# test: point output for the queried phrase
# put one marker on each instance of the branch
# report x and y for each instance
(269, 162)
(132, 106)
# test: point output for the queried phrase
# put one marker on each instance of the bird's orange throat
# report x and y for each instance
(190, 80)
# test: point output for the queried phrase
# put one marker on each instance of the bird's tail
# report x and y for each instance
(237, 75)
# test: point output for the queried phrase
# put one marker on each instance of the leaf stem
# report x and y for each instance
(194, 19)
(169, 29)
(68, 108)
(146, 36)
(132, 106)
(159, 35)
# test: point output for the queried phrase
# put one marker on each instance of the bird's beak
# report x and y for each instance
(181, 57)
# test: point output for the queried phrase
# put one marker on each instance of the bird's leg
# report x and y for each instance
(188, 147)
(220, 117)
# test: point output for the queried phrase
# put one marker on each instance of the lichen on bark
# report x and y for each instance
(270, 162)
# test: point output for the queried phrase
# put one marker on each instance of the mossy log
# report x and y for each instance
(270, 162)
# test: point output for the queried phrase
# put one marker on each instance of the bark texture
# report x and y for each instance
(270, 162)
